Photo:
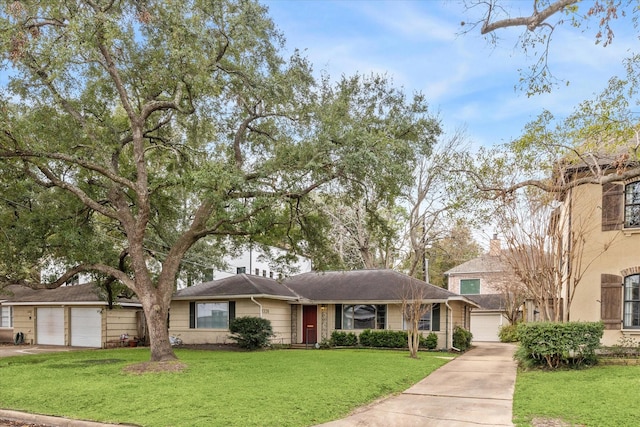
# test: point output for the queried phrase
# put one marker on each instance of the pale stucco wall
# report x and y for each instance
(606, 252)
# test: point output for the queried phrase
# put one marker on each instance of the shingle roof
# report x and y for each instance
(64, 294)
(488, 301)
(239, 284)
(361, 285)
(483, 264)
(15, 291)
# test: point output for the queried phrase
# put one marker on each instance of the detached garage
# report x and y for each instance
(74, 316)
(487, 320)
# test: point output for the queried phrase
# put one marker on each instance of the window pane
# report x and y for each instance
(5, 317)
(359, 316)
(632, 205)
(632, 314)
(425, 321)
(212, 315)
(632, 301)
(381, 316)
(469, 286)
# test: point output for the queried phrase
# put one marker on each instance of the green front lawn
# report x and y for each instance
(600, 396)
(219, 388)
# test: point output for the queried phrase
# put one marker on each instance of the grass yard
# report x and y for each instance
(601, 396)
(219, 388)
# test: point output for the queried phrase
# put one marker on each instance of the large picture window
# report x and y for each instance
(632, 301)
(211, 315)
(6, 317)
(632, 205)
(364, 316)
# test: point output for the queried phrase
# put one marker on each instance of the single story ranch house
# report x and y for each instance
(307, 308)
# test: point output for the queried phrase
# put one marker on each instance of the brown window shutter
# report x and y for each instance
(611, 301)
(612, 206)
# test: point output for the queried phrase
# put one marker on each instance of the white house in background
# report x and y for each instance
(257, 262)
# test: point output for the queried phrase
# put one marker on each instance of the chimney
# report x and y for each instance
(494, 246)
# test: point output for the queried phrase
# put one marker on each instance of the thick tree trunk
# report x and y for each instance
(157, 315)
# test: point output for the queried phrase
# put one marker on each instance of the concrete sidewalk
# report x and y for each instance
(475, 389)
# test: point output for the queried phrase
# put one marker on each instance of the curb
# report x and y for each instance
(51, 421)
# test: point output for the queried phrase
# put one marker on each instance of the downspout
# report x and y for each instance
(450, 313)
(258, 304)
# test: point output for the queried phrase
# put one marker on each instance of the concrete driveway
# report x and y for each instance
(475, 389)
(17, 350)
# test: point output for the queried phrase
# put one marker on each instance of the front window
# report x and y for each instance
(429, 321)
(632, 205)
(212, 315)
(6, 317)
(469, 286)
(364, 316)
(632, 301)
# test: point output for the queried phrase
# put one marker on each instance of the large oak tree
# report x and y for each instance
(133, 133)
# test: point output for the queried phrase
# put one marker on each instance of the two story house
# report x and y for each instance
(602, 281)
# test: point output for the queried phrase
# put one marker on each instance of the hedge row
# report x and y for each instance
(380, 339)
(558, 344)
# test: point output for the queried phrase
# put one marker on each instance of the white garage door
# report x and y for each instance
(50, 326)
(485, 326)
(86, 327)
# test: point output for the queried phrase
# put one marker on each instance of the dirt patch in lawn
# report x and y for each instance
(155, 367)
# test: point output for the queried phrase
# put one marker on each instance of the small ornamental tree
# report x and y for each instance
(251, 333)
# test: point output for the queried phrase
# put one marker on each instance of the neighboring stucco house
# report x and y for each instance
(307, 308)
(71, 316)
(483, 280)
(609, 288)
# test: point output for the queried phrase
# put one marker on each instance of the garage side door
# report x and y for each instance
(50, 326)
(86, 327)
(485, 326)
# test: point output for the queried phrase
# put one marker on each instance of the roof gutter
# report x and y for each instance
(450, 316)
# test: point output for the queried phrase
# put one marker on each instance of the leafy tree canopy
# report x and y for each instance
(134, 134)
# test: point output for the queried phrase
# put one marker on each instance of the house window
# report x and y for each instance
(364, 316)
(430, 320)
(211, 315)
(632, 205)
(632, 301)
(469, 286)
(6, 317)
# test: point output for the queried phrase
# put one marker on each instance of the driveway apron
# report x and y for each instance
(475, 389)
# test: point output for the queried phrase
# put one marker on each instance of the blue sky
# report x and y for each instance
(466, 80)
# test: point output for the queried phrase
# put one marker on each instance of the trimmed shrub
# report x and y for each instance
(384, 339)
(555, 345)
(251, 333)
(461, 338)
(508, 333)
(343, 339)
(430, 342)
(394, 339)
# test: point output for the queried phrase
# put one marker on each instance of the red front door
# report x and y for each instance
(310, 324)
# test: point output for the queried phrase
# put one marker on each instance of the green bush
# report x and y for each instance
(343, 339)
(251, 333)
(394, 339)
(508, 333)
(461, 338)
(558, 344)
(384, 339)
(430, 342)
